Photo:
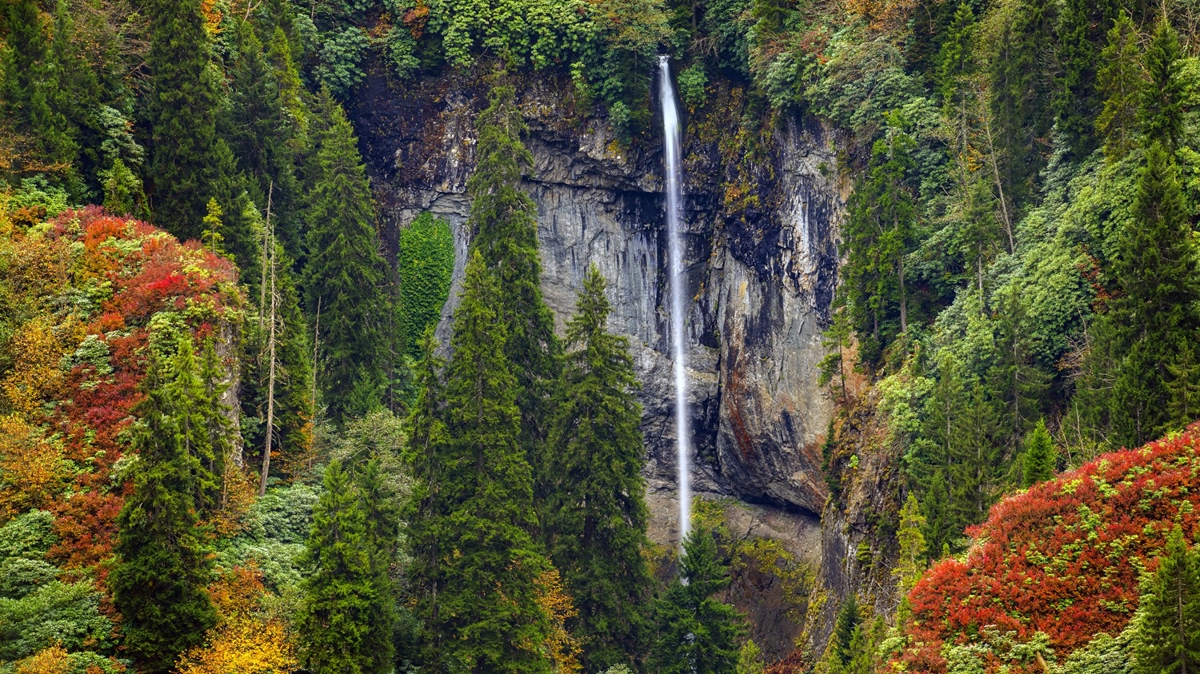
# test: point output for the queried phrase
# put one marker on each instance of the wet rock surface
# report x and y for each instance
(761, 276)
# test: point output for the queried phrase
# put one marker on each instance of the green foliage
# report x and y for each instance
(342, 53)
(273, 537)
(504, 219)
(27, 536)
(1040, 459)
(845, 629)
(1163, 95)
(425, 265)
(696, 632)
(749, 659)
(692, 82)
(340, 594)
(343, 274)
(1168, 635)
(123, 191)
(162, 562)
(183, 105)
(878, 235)
(595, 513)
(539, 33)
(912, 560)
(479, 562)
(54, 613)
(1081, 28)
(1119, 81)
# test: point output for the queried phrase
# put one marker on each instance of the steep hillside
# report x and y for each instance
(1055, 565)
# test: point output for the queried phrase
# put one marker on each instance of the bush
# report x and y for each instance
(692, 82)
(425, 264)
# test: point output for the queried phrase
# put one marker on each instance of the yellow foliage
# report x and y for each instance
(556, 602)
(53, 660)
(32, 471)
(237, 495)
(244, 641)
(36, 349)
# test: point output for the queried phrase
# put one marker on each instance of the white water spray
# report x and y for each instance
(683, 434)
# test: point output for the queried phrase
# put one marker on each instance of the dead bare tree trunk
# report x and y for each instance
(266, 463)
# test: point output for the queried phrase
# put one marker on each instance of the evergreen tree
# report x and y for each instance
(487, 616)
(426, 511)
(696, 632)
(595, 515)
(184, 99)
(504, 221)
(1018, 384)
(1082, 26)
(1021, 89)
(879, 234)
(846, 631)
(1168, 636)
(954, 59)
(344, 272)
(158, 582)
(340, 595)
(1040, 458)
(1119, 84)
(383, 536)
(31, 90)
(1128, 373)
(1163, 95)
(912, 561)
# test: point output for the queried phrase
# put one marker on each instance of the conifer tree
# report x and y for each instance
(845, 631)
(1119, 84)
(383, 536)
(504, 221)
(341, 594)
(186, 163)
(344, 272)
(162, 568)
(1081, 29)
(912, 561)
(878, 234)
(31, 89)
(595, 515)
(1163, 95)
(696, 632)
(1040, 458)
(1168, 636)
(1157, 271)
(487, 615)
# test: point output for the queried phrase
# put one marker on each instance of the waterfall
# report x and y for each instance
(674, 186)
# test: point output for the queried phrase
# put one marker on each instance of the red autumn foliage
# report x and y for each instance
(148, 271)
(1063, 558)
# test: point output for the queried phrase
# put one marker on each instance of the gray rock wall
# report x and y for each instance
(762, 278)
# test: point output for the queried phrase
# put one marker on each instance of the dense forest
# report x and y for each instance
(241, 432)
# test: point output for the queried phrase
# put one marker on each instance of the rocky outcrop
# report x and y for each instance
(761, 266)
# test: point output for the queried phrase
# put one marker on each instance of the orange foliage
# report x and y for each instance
(556, 602)
(244, 641)
(883, 16)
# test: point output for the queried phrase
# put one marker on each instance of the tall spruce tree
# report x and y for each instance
(696, 632)
(1119, 84)
(504, 221)
(383, 537)
(1157, 272)
(344, 272)
(340, 595)
(1081, 30)
(487, 617)
(1168, 635)
(162, 567)
(911, 540)
(184, 99)
(845, 630)
(1164, 94)
(595, 514)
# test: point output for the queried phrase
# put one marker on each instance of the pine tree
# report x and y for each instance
(912, 561)
(344, 272)
(504, 221)
(696, 632)
(1119, 83)
(1163, 95)
(1168, 636)
(162, 568)
(595, 515)
(1040, 458)
(341, 592)
(487, 613)
(183, 105)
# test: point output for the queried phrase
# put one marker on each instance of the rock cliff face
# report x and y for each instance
(761, 260)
